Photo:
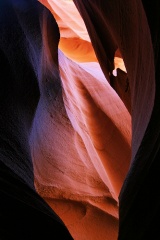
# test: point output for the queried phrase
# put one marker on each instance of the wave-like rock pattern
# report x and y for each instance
(79, 122)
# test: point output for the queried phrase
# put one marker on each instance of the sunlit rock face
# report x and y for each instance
(74, 39)
(79, 122)
(81, 136)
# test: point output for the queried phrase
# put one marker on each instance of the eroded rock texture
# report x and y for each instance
(79, 133)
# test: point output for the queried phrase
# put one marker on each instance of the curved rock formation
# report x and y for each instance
(79, 133)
